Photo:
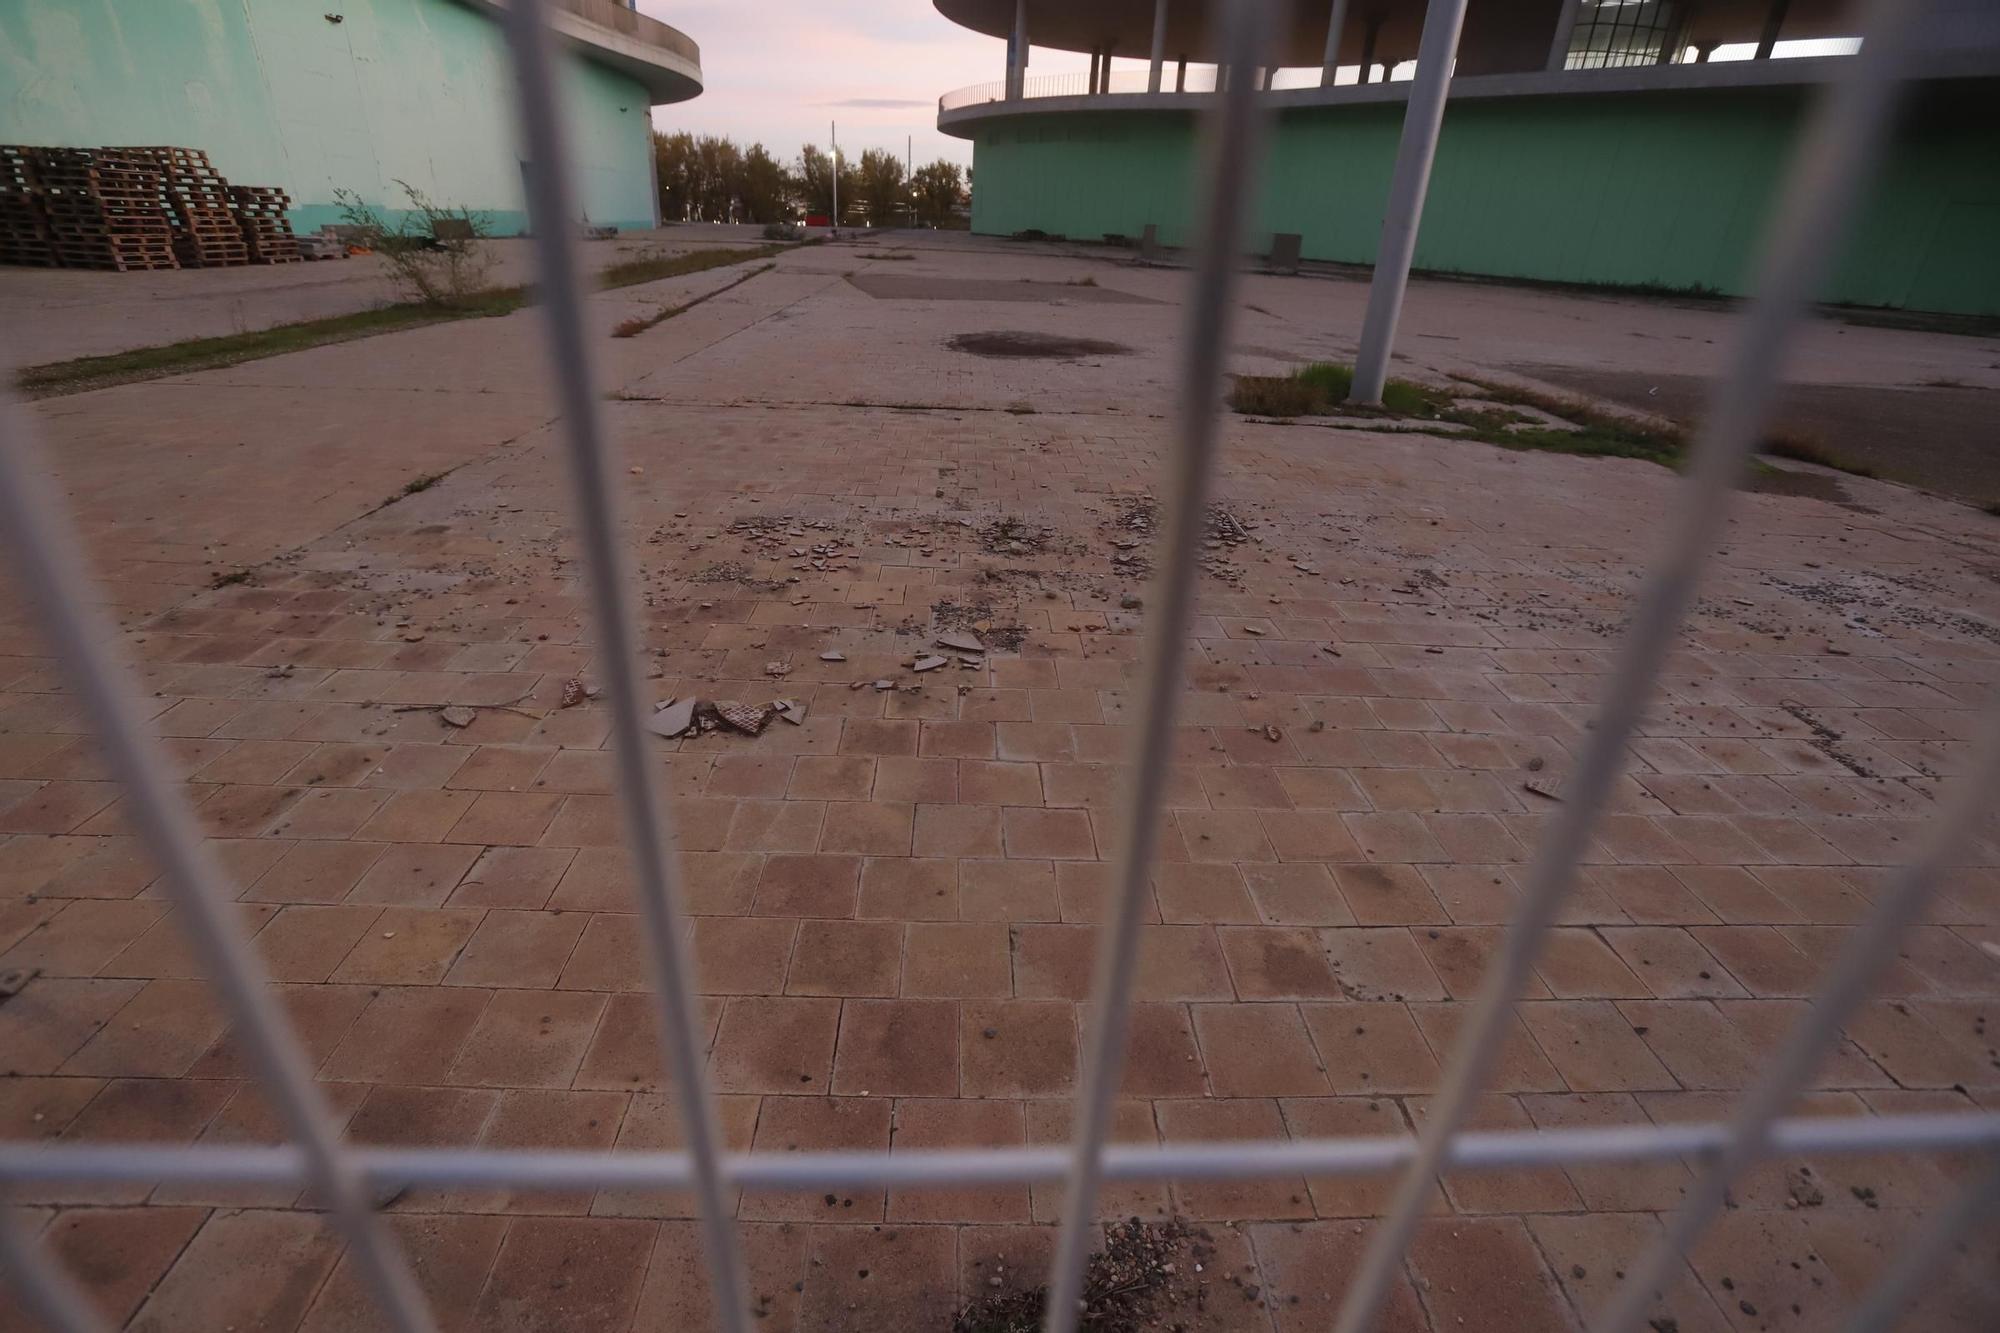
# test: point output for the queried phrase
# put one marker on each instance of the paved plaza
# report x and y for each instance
(895, 899)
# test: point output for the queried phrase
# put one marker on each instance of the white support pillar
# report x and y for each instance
(1774, 23)
(1421, 122)
(1159, 46)
(1017, 54)
(1336, 22)
(1565, 29)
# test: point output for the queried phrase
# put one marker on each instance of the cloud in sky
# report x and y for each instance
(778, 70)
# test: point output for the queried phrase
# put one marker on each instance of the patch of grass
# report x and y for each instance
(150, 363)
(1783, 444)
(1322, 389)
(231, 579)
(651, 268)
(1087, 280)
(638, 324)
(1319, 388)
(423, 483)
(1991, 507)
(1598, 433)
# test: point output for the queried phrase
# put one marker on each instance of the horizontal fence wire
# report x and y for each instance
(566, 1169)
(1828, 171)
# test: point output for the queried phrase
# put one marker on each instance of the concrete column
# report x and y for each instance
(1017, 51)
(1369, 31)
(1180, 76)
(1421, 122)
(1159, 46)
(1565, 29)
(1336, 20)
(1774, 22)
(1104, 74)
(1093, 72)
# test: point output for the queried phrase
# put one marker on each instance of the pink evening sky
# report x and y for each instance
(777, 71)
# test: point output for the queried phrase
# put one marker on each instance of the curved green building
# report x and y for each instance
(316, 96)
(1624, 143)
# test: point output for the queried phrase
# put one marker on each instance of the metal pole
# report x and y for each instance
(1159, 46)
(1565, 29)
(1336, 23)
(1774, 23)
(833, 133)
(1421, 121)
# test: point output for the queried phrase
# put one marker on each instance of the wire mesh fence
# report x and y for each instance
(1832, 167)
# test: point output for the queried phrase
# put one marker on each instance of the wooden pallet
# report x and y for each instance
(122, 253)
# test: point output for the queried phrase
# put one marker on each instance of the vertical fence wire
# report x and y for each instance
(37, 532)
(1918, 1259)
(44, 1290)
(1234, 136)
(648, 826)
(1845, 136)
(1843, 139)
(1870, 946)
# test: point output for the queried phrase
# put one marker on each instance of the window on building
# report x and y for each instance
(1611, 34)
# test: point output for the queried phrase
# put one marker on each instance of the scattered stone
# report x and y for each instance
(931, 663)
(1544, 788)
(885, 684)
(1272, 734)
(672, 718)
(960, 641)
(791, 710)
(572, 693)
(457, 716)
(831, 656)
(1131, 603)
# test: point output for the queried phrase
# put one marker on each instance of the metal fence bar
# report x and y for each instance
(38, 535)
(1233, 141)
(1843, 139)
(569, 1169)
(648, 828)
(39, 1284)
(1868, 948)
(1917, 1260)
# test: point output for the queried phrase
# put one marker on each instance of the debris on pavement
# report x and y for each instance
(672, 718)
(750, 719)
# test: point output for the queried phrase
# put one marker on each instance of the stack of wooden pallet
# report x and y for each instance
(104, 209)
(24, 221)
(135, 208)
(260, 212)
(206, 233)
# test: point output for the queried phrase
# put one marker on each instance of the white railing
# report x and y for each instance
(38, 535)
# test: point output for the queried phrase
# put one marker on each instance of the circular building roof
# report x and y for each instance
(1125, 27)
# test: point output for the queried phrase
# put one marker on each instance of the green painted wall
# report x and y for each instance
(414, 90)
(1666, 189)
